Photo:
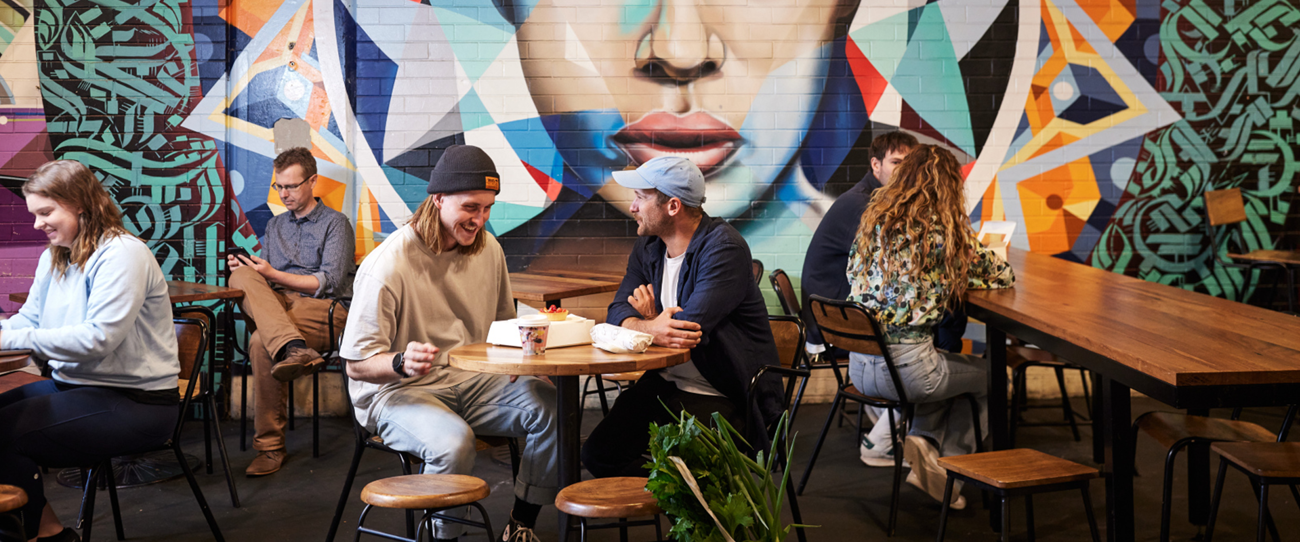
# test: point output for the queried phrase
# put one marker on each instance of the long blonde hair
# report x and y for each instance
(428, 226)
(74, 186)
(923, 206)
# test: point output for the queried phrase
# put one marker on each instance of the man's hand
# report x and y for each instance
(257, 264)
(643, 300)
(418, 358)
(672, 333)
(232, 262)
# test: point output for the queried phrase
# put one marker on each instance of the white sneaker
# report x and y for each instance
(876, 456)
(926, 473)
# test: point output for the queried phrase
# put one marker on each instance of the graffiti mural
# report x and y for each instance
(1095, 124)
(1232, 74)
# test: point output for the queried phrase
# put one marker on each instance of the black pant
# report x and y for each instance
(44, 424)
(620, 443)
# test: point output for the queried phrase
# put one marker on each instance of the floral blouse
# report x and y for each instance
(909, 307)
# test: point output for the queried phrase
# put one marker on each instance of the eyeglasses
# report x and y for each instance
(282, 187)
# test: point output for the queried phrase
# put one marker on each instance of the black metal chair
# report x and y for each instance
(1175, 431)
(790, 370)
(12, 498)
(1265, 464)
(850, 326)
(757, 268)
(207, 398)
(790, 305)
(1021, 358)
(192, 336)
(410, 464)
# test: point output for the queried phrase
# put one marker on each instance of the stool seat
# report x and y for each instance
(1168, 428)
(622, 377)
(430, 491)
(1017, 468)
(1265, 459)
(622, 497)
(11, 498)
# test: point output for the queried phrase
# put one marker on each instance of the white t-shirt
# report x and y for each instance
(404, 292)
(686, 376)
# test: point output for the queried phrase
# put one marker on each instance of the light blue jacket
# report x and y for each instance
(109, 324)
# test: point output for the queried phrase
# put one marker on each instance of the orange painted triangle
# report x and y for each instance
(870, 83)
(550, 186)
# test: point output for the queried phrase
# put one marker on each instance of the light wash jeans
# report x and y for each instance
(931, 379)
(438, 425)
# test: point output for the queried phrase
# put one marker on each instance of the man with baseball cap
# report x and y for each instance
(689, 283)
(437, 283)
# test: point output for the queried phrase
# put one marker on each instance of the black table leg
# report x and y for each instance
(569, 432)
(999, 422)
(1098, 426)
(1198, 477)
(1117, 410)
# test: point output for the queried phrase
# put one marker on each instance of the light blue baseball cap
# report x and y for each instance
(675, 176)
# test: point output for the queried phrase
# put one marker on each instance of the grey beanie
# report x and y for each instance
(461, 168)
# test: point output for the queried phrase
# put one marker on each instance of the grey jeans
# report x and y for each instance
(438, 425)
(932, 379)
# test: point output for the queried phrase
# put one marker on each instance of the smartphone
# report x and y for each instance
(237, 252)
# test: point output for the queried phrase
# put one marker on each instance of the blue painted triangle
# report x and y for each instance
(929, 79)
(473, 114)
(477, 43)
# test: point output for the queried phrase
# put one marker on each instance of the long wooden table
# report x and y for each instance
(1185, 349)
(550, 289)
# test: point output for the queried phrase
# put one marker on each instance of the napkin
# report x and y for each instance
(619, 340)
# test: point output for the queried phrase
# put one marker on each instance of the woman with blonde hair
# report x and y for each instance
(99, 316)
(915, 255)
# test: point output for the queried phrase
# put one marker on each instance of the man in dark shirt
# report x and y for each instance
(689, 283)
(826, 263)
(309, 262)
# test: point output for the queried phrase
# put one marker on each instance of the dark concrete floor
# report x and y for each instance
(848, 500)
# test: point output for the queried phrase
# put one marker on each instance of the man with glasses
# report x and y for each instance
(308, 262)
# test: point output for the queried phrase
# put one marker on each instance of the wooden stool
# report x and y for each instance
(619, 498)
(1009, 473)
(1266, 463)
(432, 493)
(11, 522)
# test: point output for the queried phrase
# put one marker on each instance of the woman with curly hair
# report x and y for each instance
(915, 255)
(98, 313)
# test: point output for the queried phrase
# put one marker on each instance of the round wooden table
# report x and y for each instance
(564, 366)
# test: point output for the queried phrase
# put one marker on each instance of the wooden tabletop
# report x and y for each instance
(1285, 257)
(567, 361)
(179, 291)
(607, 276)
(12, 360)
(534, 287)
(1178, 337)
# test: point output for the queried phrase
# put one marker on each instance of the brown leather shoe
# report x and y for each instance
(297, 363)
(266, 462)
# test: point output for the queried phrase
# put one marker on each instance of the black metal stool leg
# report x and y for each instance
(1214, 500)
(1087, 508)
(943, 514)
(1065, 403)
(1029, 516)
(1006, 518)
(1263, 512)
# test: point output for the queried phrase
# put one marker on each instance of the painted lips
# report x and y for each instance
(698, 137)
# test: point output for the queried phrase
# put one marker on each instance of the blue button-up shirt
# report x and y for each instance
(321, 244)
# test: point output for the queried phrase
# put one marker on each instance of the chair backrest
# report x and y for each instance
(789, 334)
(1224, 206)
(785, 292)
(191, 344)
(758, 270)
(850, 326)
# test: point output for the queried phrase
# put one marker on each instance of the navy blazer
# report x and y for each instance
(717, 290)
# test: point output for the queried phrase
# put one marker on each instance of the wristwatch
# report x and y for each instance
(399, 366)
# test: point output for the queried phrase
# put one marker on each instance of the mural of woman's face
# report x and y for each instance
(731, 86)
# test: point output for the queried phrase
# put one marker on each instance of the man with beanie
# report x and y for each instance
(437, 283)
(690, 284)
(309, 256)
